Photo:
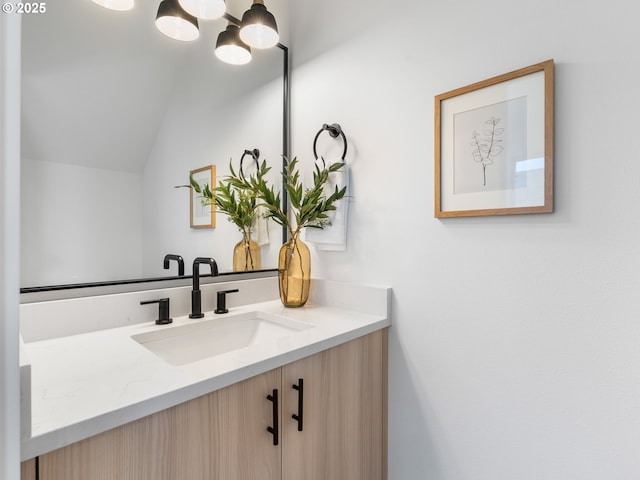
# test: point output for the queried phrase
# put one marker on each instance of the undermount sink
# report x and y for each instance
(185, 344)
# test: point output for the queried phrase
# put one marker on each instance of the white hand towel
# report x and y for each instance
(334, 236)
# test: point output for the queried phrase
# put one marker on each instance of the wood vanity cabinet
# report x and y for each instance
(343, 433)
(224, 435)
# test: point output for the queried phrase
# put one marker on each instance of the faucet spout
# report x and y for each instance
(196, 269)
(196, 296)
(178, 259)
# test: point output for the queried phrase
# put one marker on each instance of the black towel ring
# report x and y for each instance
(255, 154)
(334, 130)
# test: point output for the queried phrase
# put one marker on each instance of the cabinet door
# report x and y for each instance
(240, 415)
(155, 447)
(220, 436)
(28, 470)
(344, 413)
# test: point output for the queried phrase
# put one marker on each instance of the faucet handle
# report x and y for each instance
(163, 310)
(221, 298)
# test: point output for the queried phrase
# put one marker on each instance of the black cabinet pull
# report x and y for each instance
(274, 430)
(300, 388)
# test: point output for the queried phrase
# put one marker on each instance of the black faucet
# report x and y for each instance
(178, 259)
(196, 303)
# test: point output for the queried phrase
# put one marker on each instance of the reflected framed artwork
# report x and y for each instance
(494, 145)
(203, 216)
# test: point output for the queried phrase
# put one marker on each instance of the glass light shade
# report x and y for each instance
(259, 27)
(118, 5)
(175, 23)
(204, 9)
(230, 49)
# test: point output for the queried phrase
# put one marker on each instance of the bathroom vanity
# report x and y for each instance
(303, 398)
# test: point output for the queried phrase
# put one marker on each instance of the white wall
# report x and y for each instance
(9, 244)
(83, 224)
(514, 347)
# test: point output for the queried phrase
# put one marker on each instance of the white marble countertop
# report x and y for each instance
(85, 384)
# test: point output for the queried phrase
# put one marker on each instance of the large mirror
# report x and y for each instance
(114, 116)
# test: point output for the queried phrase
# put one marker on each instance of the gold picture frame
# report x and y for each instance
(202, 216)
(494, 145)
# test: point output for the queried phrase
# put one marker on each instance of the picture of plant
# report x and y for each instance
(202, 214)
(486, 146)
(494, 145)
(490, 142)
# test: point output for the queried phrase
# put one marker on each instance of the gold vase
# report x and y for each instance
(294, 272)
(246, 255)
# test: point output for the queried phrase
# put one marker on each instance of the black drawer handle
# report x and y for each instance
(300, 388)
(274, 430)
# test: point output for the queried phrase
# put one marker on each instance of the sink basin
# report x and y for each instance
(189, 343)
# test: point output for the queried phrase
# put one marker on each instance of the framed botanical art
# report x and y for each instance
(494, 145)
(203, 216)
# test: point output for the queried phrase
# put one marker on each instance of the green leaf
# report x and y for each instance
(194, 184)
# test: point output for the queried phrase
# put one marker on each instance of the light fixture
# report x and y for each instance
(204, 9)
(178, 19)
(175, 23)
(118, 5)
(230, 48)
(259, 27)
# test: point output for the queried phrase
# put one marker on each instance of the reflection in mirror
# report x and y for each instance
(114, 116)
